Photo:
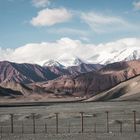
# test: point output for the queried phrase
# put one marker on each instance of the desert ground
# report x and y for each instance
(72, 121)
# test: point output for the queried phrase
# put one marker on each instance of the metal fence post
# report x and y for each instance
(82, 121)
(12, 122)
(22, 128)
(1, 131)
(120, 126)
(33, 117)
(56, 114)
(94, 116)
(45, 128)
(134, 113)
(69, 127)
(107, 122)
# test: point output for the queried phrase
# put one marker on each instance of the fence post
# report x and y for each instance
(120, 126)
(33, 117)
(94, 116)
(12, 122)
(134, 113)
(82, 121)
(1, 131)
(45, 128)
(69, 127)
(107, 122)
(56, 114)
(22, 128)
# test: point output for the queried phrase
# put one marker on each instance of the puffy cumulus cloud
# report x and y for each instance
(136, 5)
(5, 54)
(62, 50)
(66, 50)
(40, 3)
(49, 17)
(101, 23)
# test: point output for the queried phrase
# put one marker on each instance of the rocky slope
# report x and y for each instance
(92, 83)
(84, 68)
(85, 85)
(74, 70)
(127, 90)
(7, 92)
(24, 73)
(30, 73)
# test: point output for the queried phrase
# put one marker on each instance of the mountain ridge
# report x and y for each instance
(79, 85)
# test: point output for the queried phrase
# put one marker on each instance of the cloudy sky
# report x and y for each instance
(37, 30)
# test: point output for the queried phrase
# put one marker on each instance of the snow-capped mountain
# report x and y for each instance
(70, 60)
(104, 53)
(78, 61)
(51, 63)
(121, 50)
(77, 66)
(62, 63)
(111, 56)
(126, 54)
(102, 57)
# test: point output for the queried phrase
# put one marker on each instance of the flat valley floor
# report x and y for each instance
(72, 121)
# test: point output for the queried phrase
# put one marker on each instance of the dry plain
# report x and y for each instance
(100, 121)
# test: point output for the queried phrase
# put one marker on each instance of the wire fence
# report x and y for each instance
(74, 122)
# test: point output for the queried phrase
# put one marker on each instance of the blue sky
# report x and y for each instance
(16, 15)
(35, 31)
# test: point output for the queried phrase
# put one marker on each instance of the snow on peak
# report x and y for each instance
(78, 61)
(111, 56)
(69, 60)
(73, 61)
(53, 63)
(102, 57)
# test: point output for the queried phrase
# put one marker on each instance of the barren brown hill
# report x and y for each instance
(24, 73)
(30, 73)
(125, 91)
(95, 84)
(92, 83)
(74, 70)
(24, 89)
(7, 92)
(84, 68)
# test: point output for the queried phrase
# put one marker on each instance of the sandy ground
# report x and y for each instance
(70, 121)
(74, 137)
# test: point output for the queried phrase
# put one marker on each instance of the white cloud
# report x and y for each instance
(136, 5)
(49, 17)
(101, 23)
(65, 50)
(40, 3)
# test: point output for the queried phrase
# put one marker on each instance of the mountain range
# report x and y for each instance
(84, 81)
(127, 50)
(92, 83)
